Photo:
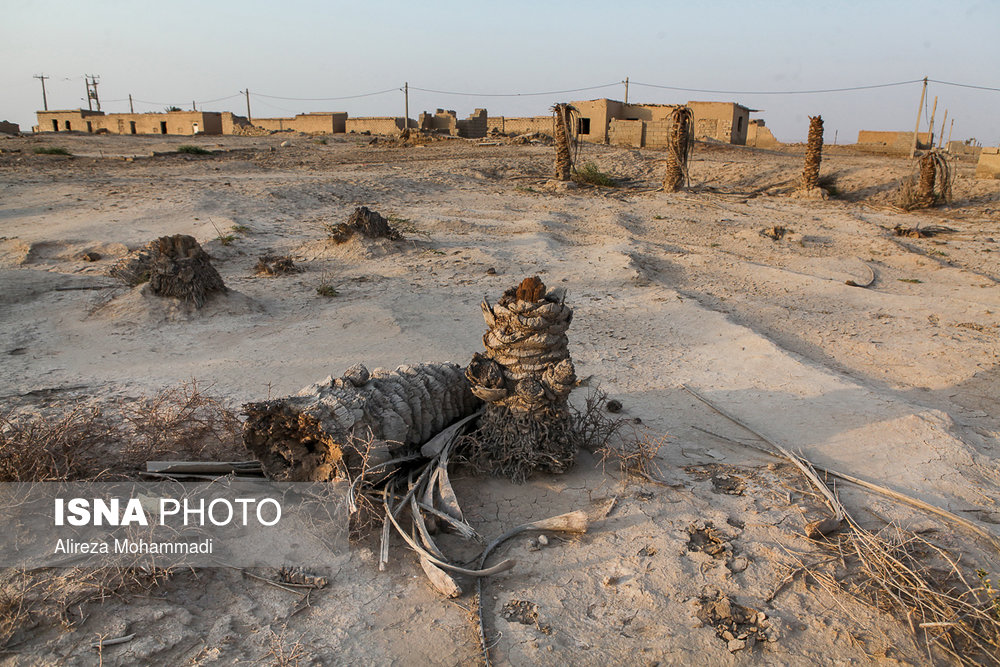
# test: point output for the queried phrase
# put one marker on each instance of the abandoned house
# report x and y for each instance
(473, 127)
(645, 125)
(169, 122)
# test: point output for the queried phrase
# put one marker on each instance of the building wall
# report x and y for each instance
(475, 126)
(522, 125)
(599, 113)
(989, 163)
(440, 121)
(893, 141)
(310, 123)
(722, 121)
(626, 133)
(378, 124)
(9, 128)
(75, 117)
(176, 122)
(760, 136)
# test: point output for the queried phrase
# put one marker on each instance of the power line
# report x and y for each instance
(963, 85)
(778, 92)
(549, 92)
(326, 99)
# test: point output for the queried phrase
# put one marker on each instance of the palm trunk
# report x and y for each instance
(341, 427)
(564, 140)
(525, 377)
(928, 175)
(814, 153)
(678, 149)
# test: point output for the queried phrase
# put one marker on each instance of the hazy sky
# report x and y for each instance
(176, 51)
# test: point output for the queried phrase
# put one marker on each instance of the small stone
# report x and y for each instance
(738, 564)
(491, 271)
(285, 144)
(91, 257)
(614, 406)
(727, 635)
(543, 541)
(533, 545)
(736, 645)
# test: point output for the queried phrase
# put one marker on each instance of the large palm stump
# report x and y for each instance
(525, 377)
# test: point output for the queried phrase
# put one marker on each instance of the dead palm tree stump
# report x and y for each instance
(814, 153)
(928, 176)
(340, 427)
(525, 377)
(564, 140)
(678, 149)
(175, 266)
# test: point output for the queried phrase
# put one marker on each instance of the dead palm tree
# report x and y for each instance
(525, 377)
(679, 146)
(814, 153)
(565, 139)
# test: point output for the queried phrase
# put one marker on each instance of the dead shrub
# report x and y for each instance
(114, 441)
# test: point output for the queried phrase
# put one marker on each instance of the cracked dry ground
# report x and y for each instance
(896, 382)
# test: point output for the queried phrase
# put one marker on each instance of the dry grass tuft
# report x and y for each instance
(114, 441)
(902, 573)
(32, 599)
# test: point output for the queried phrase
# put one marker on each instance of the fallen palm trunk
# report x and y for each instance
(814, 153)
(342, 427)
(525, 377)
(678, 149)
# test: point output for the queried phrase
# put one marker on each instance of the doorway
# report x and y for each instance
(163, 127)
(131, 127)
(68, 126)
(55, 125)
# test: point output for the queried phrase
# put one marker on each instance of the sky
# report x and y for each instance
(175, 52)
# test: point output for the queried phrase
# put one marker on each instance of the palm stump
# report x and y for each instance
(525, 377)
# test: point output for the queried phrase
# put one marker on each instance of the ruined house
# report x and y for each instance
(168, 122)
(646, 125)
(473, 127)
(7, 127)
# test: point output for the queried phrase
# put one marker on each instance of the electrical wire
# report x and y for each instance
(778, 92)
(549, 92)
(325, 99)
(962, 85)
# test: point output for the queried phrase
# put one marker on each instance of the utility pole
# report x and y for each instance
(194, 107)
(835, 132)
(406, 106)
(952, 127)
(932, 122)
(247, 91)
(45, 100)
(920, 108)
(626, 90)
(92, 91)
(131, 109)
(944, 122)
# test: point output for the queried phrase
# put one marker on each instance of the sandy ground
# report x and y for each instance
(896, 383)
